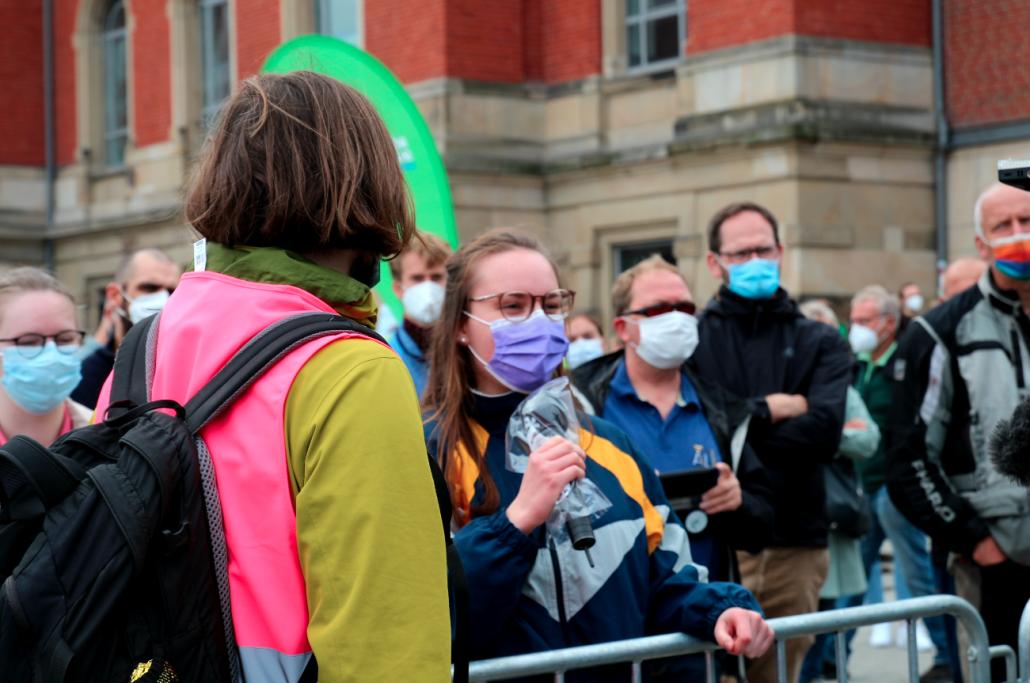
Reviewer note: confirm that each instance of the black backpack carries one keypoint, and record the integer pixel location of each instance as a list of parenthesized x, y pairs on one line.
[(112, 554)]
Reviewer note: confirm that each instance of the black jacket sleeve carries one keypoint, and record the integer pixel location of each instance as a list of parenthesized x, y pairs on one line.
[(750, 526), (816, 434), (922, 399)]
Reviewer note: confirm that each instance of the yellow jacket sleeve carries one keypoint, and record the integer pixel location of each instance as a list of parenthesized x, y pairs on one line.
[(368, 527)]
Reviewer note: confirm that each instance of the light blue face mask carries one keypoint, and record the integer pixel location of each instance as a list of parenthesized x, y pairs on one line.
[(754, 279), (40, 384)]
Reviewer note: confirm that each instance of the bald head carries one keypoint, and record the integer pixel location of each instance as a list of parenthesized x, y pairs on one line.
[(960, 275)]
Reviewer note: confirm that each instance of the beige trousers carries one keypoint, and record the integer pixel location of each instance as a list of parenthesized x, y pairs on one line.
[(786, 581)]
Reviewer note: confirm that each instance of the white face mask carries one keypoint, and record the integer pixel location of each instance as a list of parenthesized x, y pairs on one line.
[(423, 302), (862, 339), (146, 305), (583, 351), (914, 303), (667, 340)]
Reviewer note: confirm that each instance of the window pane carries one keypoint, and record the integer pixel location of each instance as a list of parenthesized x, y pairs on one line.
[(661, 4), (663, 39), (214, 18), (628, 255), (339, 19), (633, 51), (116, 110), (632, 7)]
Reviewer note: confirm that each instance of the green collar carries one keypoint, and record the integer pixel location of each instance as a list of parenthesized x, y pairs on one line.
[(273, 266), (867, 357)]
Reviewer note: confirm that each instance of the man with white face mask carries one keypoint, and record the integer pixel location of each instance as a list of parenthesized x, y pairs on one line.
[(141, 287), (651, 390), (419, 277)]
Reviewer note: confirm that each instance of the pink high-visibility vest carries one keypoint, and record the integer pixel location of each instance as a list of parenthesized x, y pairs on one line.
[(208, 319)]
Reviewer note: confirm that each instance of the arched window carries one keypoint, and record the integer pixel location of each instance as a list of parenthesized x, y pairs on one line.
[(214, 37), (116, 108)]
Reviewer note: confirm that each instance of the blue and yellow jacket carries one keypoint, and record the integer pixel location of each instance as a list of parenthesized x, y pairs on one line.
[(528, 594)]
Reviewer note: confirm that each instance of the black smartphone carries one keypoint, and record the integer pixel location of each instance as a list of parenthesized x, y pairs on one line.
[(1015, 172), (689, 483)]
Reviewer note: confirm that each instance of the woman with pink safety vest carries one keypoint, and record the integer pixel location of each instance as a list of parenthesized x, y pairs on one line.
[(337, 567)]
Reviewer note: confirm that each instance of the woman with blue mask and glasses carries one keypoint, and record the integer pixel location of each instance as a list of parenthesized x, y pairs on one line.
[(500, 336), (39, 359)]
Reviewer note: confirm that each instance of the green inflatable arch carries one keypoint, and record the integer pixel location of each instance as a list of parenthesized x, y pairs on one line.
[(416, 151)]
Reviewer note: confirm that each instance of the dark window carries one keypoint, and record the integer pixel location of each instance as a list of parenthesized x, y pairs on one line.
[(625, 256), (116, 108), (655, 30), (214, 35)]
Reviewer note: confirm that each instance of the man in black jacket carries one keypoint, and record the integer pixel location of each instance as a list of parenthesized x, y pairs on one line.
[(678, 421), (794, 372)]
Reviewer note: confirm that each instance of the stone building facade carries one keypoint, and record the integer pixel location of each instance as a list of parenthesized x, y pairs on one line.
[(611, 128)]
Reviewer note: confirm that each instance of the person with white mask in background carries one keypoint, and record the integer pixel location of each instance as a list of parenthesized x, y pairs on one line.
[(875, 320), (911, 299), (651, 390), (141, 287), (419, 278), (586, 339)]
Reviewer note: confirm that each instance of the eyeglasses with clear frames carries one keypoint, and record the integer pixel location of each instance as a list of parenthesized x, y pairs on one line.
[(517, 306), (766, 253), (31, 345)]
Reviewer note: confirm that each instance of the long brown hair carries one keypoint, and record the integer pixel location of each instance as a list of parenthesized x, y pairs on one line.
[(300, 161), (448, 397)]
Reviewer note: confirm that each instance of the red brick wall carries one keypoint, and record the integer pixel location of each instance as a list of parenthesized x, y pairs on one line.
[(714, 24), (508, 42), (21, 72), (408, 36), (570, 39), (66, 13), (257, 33), (986, 81), (151, 69)]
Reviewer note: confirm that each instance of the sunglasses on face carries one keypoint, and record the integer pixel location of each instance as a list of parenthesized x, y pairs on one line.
[(651, 311)]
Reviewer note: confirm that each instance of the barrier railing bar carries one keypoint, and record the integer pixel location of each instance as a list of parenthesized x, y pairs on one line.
[(635, 675), (781, 661), (1024, 645), (913, 653), (842, 657), (674, 644), (1005, 651), (709, 666)]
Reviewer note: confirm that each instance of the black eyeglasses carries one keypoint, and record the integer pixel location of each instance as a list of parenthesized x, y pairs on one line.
[(32, 344), (651, 311), (743, 255), (516, 307)]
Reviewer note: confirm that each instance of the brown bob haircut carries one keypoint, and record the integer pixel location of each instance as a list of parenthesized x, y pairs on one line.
[(300, 161)]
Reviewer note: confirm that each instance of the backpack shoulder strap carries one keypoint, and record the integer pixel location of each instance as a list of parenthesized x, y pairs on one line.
[(130, 383), (260, 354), (51, 475)]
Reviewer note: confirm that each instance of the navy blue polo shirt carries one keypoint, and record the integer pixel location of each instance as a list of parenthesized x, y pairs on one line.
[(682, 441)]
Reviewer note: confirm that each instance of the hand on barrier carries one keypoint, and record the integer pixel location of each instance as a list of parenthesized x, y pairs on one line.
[(725, 496), (743, 632), (987, 552), (785, 406), (556, 463)]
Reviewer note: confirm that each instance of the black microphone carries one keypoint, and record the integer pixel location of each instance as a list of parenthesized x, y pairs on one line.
[(1010, 445)]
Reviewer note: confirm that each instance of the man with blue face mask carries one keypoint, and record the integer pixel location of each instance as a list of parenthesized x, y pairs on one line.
[(794, 372), (144, 281)]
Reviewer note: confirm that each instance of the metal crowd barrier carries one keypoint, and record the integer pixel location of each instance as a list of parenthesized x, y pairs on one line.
[(638, 650), (1024, 645)]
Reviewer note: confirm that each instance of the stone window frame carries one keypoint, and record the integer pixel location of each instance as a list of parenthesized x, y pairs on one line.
[(91, 87), (614, 43)]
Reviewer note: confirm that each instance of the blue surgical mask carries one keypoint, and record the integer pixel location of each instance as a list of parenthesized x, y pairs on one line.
[(754, 279), (40, 384), (583, 351)]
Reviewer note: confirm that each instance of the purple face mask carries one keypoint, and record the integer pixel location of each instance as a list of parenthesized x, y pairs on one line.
[(526, 353)]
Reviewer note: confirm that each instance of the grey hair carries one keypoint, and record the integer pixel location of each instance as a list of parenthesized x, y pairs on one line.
[(818, 310), (978, 209), (886, 302)]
